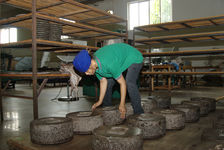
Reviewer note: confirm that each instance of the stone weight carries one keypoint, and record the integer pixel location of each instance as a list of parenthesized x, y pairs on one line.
[(220, 129), (51, 130), (192, 113), (218, 125), (152, 126), (211, 101), (219, 146), (218, 122), (117, 138), (163, 101), (129, 109), (175, 119), (148, 105), (211, 134), (111, 115), (208, 145), (204, 106), (85, 122)]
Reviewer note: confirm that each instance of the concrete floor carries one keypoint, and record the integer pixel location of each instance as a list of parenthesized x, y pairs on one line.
[(18, 112)]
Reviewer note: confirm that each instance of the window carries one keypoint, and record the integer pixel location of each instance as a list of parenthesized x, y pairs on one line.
[(8, 35), (138, 14), (149, 12), (160, 11)]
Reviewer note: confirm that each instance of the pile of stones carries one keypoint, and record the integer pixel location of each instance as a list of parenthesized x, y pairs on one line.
[(111, 132)]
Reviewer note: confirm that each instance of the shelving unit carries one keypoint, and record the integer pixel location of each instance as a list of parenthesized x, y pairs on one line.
[(185, 53), (206, 31), (82, 31), (157, 41), (183, 24), (181, 32), (86, 26), (68, 9), (28, 75)]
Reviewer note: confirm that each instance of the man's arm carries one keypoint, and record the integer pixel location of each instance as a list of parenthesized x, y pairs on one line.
[(122, 83), (103, 88)]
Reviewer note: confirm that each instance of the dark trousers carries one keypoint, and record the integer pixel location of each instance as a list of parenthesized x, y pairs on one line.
[(132, 88)]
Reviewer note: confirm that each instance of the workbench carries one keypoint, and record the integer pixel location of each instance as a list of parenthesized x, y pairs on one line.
[(163, 68)]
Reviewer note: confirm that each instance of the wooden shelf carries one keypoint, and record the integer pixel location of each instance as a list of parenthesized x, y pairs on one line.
[(184, 24), (81, 23), (183, 73), (39, 75), (206, 67), (165, 87), (205, 31), (68, 9), (186, 53), (78, 30), (67, 51), (208, 36), (45, 45), (162, 67)]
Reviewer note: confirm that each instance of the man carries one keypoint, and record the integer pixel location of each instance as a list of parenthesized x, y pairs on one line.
[(108, 64)]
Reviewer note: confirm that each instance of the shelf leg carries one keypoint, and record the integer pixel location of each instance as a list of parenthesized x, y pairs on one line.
[(1, 105), (34, 59), (169, 79), (152, 82)]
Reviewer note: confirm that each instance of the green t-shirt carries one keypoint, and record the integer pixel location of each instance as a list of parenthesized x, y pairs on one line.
[(114, 59)]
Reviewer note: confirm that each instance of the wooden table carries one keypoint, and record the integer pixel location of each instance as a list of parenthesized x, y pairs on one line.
[(168, 68)]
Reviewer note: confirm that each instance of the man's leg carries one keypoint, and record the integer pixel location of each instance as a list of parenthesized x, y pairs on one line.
[(131, 81), (108, 95)]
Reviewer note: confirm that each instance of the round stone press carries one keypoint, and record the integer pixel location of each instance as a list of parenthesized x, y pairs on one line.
[(152, 126), (117, 138), (85, 122)]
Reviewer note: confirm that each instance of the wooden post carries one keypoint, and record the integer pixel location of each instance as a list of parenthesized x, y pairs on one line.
[(134, 37), (152, 79), (195, 77), (169, 78), (126, 22), (1, 105), (34, 59)]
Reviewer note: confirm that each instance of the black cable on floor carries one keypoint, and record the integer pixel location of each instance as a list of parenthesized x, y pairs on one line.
[(57, 95)]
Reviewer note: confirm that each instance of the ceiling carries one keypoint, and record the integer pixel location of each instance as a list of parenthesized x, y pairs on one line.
[(8, 11)]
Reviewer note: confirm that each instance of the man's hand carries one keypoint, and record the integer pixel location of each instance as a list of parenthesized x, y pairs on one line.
[(103, 88), (122, 110), (98, 103)]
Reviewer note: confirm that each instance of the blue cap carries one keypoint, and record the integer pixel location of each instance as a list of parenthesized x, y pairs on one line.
[(82, 61)]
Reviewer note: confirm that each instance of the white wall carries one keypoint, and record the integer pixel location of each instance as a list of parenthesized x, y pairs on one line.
[(182, 9), (118, 6), (189, 9)]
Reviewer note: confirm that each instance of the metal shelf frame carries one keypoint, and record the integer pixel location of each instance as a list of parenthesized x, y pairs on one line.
[(202, 31), (88, 20)]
